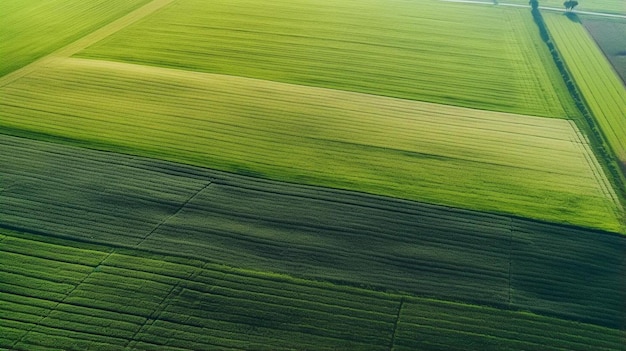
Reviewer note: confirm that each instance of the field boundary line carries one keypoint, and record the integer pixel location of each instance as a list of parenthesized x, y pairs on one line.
[(180, 208), (35, 325), (598, 172), (395, 324), (601, 179), (510, 260), (154, 316), (86, 41)]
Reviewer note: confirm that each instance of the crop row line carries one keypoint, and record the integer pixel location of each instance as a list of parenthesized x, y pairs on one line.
[(395, 325), (161, 307), (180, 208)]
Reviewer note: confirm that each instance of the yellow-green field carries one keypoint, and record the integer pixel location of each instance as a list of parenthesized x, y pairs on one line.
[(30, 29), (486, 58), (529, 166), (599, 85)]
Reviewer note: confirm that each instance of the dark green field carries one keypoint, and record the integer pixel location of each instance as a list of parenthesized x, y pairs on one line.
[(355, 243), (59, 294)]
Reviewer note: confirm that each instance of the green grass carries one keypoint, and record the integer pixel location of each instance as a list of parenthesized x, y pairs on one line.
[(30, 29), (528, 166), (601, 88), (134, 299), (317, 234), (610, 35), (486, 58)]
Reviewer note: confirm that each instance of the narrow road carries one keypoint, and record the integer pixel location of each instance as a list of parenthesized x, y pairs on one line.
[(86, 41), (540, 7)]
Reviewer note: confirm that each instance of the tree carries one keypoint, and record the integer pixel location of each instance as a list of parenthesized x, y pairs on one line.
[(534, 4), (570, 4)]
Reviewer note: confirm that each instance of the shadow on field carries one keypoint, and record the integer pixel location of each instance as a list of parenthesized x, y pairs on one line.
[(572, 17)]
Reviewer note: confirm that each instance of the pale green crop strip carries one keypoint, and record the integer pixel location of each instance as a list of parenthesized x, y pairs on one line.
[(601, 88), (461, 157), (420, 50)]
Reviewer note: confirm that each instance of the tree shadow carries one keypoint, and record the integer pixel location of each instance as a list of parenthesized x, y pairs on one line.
[(572, 16)]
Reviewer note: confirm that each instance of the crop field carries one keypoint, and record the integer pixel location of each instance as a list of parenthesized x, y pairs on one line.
[(110, 300), (319, 234), (603, 91), (610, 35), (57, 294), (484, 58), (30, 29), (306, 174), (450, 326), (535, 167)]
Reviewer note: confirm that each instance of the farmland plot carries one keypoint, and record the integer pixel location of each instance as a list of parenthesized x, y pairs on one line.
[(486, 58), (577, 274), (320, 234), (123, 204), (433, 325), (603, 91), (133, 299), (535, 167), (118, 300), (30, 29), (610, 35)]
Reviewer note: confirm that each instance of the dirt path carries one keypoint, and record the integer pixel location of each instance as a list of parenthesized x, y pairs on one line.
[(540, 7), (86, 41)]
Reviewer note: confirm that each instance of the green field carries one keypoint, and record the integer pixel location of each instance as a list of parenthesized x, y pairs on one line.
[(435, 153), (601, 88), (110, 300), (30, 29), (308, 175), (486, 58), (610, 35), (63, 295), (314, 233)]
